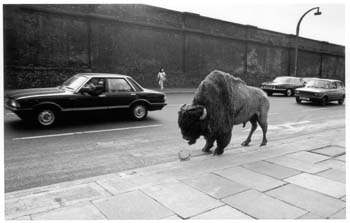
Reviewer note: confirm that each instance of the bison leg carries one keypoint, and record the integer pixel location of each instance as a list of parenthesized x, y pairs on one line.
[(253, 121), (263, 124), (208, 145), (222, 142)]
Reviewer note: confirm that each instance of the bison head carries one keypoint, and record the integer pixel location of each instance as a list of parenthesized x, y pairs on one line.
[(190, 122)]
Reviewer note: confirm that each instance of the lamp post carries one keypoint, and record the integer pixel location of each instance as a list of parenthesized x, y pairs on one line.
[(297, 35)]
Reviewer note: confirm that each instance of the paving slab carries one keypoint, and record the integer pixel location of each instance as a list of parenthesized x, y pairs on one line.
[(319, 184), (25, 218), (35, 203), (339, 215), (261, 206), (310, 216), (224, 212), (309, 200), (85, 211), (134, 205), (341, 158), (273, 170), (334, 164), (117, 186), (308, 157), (182, 199), (330, 151), (172, 217), (334, 174), (297, 164), (214, 185), (250, 178)]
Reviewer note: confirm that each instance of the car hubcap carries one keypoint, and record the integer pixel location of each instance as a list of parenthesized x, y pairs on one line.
[(289, 92), (139, 111), (46, 117)]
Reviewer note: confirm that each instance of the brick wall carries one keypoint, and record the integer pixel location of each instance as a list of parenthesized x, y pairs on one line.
[(45, 44)]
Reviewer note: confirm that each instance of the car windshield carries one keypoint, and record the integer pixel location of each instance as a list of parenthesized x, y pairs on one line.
[(284, 80), (318, 84), (74, 82)]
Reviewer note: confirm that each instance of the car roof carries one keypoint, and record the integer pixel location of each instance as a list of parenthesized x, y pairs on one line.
[(101, 75)]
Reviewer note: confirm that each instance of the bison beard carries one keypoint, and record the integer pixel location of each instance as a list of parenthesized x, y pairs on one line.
[(220, 102)]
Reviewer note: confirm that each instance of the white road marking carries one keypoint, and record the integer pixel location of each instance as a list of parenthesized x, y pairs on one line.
[(85, 132)]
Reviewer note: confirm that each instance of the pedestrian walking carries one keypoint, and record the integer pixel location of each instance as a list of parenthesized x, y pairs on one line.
[(161, 77)]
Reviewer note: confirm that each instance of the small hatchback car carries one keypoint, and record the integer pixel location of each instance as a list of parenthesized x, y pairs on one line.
[(283, 84), (84, 92), (321, 91)]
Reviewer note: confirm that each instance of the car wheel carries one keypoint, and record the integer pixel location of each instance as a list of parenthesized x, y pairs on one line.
[(341, 101), (139, 112), (46, 117), (324, 101), (289, 92), (298, 100)]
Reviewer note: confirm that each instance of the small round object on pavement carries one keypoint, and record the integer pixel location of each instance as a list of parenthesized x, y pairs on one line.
[(184, 155)]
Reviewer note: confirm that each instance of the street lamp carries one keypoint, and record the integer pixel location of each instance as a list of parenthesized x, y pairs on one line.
[(297, 35)]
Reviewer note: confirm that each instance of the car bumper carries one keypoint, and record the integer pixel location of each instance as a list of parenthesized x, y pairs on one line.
[(269, 90), (157, 106), (308, 97)]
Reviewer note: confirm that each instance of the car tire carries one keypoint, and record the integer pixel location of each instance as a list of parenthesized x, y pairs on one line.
[(139, 112), (298, 100), (289, 92), (341, 101), (46, 117), (324, 101)]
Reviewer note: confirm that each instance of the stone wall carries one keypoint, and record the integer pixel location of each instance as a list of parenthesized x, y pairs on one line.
[(45, 44)]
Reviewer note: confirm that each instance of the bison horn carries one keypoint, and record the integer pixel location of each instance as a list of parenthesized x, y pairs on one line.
[(204, 115)]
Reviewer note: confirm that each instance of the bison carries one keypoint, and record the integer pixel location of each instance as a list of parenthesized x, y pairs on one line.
[(220, 102)]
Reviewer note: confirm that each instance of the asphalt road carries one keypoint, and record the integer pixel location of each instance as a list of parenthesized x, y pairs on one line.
[(87, 147)]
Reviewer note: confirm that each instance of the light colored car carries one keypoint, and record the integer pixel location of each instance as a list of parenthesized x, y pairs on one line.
[(321, 91)]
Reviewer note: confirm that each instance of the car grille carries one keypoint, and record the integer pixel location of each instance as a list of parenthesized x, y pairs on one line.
[(306, 93)]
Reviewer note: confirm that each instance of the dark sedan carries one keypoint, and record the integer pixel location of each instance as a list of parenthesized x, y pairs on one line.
[(84, 92), (321, 91), (283, 84)]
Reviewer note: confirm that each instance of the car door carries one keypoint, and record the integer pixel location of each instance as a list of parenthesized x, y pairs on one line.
[(90, 101), (119, 93), (340, 90), (332, 91)]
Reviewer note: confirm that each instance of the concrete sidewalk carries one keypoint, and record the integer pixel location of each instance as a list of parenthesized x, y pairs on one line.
[(298, 178)]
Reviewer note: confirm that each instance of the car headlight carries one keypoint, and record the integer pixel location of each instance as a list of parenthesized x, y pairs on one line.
[(14, 104)]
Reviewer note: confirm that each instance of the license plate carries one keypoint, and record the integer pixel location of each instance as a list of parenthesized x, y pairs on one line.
[(303, 98)]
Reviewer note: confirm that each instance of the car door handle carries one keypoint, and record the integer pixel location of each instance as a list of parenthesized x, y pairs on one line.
[(132, 94), (102, 95)]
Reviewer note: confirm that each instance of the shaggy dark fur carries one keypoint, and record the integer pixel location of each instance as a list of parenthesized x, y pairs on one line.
[(228, 101)]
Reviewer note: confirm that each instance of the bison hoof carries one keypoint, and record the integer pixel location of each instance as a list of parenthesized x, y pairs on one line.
[(245, 143), (218, 152), (263, 144), (205, 150)]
